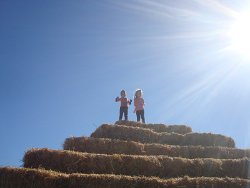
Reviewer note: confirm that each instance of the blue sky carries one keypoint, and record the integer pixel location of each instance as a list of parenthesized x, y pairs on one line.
[(62, 63)]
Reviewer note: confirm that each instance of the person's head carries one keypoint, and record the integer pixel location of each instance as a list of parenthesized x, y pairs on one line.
[(123, 93), (138, 93)]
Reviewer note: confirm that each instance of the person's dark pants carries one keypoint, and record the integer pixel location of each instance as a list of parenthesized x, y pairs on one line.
[(123, 110), (140, 115)]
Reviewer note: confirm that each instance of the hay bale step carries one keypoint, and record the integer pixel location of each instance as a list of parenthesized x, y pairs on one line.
[(181, 129), (30, 178), (114, 146), (159, 166), (148, 136)]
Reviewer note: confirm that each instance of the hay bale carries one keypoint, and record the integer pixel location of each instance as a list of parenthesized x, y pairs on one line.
[(181, 129), (126, 133), (208, 139), (114, 146), (133, 165), (31, 178), (103, 146), (148, 136), (34, 178)]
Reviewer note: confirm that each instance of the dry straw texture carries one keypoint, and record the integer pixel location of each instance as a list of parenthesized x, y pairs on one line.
[(33, 178), (114, 146), (103, 146), (148, 136), (161, 166), (135, 155), (181, 129)]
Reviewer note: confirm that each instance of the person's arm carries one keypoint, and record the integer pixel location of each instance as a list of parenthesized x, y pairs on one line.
[(135, 104), (129, 101), (117, 99)]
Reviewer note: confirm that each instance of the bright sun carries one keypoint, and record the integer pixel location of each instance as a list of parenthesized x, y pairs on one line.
[(239, 34)]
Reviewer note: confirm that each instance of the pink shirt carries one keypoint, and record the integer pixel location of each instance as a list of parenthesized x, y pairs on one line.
[(139, 104)]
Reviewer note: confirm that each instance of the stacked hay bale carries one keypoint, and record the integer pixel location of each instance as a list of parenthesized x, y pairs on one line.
[(130, 154)]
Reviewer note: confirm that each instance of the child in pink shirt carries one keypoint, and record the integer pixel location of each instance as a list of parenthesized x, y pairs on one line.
[(125, 102), (139, 105)]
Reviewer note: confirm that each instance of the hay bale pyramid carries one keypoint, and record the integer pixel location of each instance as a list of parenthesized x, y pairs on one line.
[(130, 154)]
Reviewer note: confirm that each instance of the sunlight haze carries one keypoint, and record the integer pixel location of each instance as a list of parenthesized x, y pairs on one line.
[(63, 63)]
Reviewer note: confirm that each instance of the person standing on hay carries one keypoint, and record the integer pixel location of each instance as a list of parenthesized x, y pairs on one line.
[(125, 102), (139, 105)]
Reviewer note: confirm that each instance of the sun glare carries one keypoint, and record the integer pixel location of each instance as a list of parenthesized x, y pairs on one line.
[(239, 35)]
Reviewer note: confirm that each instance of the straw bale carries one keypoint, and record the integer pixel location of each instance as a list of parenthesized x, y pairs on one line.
[(126, 133), (11, 177), (134, 165), (148, 136), (181, 129), (103, 146), (114, 146), (34, 178), (208, 139)]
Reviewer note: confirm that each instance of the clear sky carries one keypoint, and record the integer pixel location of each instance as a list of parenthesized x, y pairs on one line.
[(62, 63)]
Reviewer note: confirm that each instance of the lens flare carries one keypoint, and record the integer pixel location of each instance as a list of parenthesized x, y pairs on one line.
[(239, 34)]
